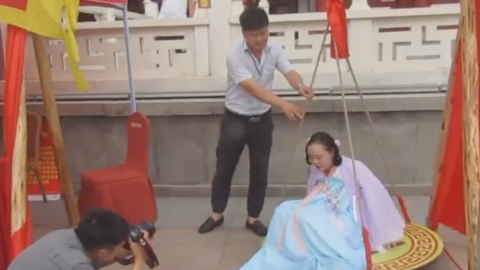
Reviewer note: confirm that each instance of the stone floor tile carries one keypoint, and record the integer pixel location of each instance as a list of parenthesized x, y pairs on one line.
[(179, 246), (50, 213), (189, 256), (173, 236), (235, 255), (243, 236)]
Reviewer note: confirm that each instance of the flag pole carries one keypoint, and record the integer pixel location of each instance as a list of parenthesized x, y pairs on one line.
[(470, 125), (126, 30), (46, 85)]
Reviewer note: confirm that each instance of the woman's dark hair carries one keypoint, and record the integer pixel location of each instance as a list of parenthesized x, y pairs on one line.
[(328, 142), (100, 228), (253, 18)]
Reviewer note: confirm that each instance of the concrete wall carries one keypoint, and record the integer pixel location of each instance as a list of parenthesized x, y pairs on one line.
[(184, 136), (182, 157)]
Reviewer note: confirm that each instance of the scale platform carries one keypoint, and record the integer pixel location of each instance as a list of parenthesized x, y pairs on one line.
[(420, 246)]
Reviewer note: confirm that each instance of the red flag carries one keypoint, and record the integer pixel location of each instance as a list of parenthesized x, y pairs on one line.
[(447, 207), (338, 33), (16, 226)]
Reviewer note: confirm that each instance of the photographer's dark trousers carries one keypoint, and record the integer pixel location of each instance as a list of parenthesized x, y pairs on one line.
[(236, 131)]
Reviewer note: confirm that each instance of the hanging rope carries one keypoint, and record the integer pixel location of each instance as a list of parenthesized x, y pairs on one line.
[(394, 188), (366, 241), (401, 202), (307, 102)]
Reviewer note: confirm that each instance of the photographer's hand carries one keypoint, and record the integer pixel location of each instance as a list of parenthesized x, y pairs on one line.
[(139, 253)]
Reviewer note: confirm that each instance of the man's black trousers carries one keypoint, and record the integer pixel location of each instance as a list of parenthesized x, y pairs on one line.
[(236, 131)]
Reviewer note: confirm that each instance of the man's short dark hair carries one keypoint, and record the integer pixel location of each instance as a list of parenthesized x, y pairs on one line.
[(253, 18), (100, 228)]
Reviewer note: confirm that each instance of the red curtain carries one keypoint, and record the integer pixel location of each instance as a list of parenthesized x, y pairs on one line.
[(12, 242)]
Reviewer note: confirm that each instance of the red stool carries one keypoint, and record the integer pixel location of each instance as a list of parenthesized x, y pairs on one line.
[(126, 188)]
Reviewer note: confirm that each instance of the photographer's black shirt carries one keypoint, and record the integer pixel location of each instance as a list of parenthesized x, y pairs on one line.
[(58, 250)]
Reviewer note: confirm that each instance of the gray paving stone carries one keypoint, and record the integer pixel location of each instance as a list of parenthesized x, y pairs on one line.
[(180, 247)]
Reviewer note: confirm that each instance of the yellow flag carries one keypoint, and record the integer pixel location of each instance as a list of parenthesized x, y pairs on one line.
[(43, 17)]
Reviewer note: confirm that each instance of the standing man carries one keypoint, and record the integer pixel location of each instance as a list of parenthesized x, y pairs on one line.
[(247, 119)]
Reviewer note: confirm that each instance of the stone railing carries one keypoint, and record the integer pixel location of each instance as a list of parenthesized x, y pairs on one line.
[(159, 49), (392, 51)]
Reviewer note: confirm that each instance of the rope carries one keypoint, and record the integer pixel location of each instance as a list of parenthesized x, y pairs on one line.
[(307, 102), (401, 202), (368, 250)]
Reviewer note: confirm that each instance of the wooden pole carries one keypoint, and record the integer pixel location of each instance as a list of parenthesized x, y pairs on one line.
[(470, 125), (44, 72), (447, 111)]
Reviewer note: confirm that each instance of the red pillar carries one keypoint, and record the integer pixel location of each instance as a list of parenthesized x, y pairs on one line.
[(422, 3), (2, 57), (321, 5), (404, 3)]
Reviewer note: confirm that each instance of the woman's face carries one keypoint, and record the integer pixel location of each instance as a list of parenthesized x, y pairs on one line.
[(319, 156)]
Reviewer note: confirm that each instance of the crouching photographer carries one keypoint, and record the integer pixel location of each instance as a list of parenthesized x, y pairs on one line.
[(101, 239)]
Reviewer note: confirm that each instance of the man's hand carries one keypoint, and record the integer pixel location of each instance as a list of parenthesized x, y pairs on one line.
[(305, 91), (292, 111)]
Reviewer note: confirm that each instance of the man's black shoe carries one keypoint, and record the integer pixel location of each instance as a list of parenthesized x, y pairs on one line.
[(209, 225), (257, 228)]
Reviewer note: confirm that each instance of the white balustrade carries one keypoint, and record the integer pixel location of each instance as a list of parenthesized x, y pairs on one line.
[(159, 49), (390, 49), (359, 5)]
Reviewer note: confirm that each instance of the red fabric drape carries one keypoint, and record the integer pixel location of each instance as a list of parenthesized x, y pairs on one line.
[(12, 242), (338, 25), (448, 205)]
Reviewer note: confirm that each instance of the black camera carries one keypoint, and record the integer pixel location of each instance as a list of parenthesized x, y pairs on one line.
[(137, 236)]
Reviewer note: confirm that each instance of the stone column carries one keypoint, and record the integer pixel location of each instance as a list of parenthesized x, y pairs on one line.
[(151, 8), (219, 41), (108, 15), (265, 5)]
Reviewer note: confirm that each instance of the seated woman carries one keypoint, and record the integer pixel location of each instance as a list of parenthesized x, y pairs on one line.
[(323, 231)]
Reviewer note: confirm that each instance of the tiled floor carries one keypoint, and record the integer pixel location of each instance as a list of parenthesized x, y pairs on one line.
[(180, 247)]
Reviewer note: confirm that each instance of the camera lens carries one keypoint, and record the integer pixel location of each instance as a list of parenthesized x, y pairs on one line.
[(148, 227)]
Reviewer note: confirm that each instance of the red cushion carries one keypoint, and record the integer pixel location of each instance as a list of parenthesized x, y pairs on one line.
[(132, 198), (112, 174)]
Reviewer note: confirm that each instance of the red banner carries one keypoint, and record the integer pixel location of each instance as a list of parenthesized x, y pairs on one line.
[(16, 230), (16, 4), (338, 34), (48, 170)]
